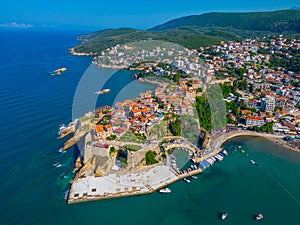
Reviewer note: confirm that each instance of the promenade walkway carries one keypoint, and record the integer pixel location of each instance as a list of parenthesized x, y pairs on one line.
[(91, 188)]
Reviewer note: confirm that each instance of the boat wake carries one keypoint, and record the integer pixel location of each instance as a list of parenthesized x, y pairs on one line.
[(57, 165), (61, 151)]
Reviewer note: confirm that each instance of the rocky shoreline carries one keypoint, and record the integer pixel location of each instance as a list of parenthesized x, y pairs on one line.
[(290, 145), (73, 52), (144, 80)]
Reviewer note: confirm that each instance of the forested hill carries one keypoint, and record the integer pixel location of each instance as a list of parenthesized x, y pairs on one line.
[(277, 21), (198, 31)]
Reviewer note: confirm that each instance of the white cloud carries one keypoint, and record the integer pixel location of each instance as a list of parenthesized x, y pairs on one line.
[(16, 25)]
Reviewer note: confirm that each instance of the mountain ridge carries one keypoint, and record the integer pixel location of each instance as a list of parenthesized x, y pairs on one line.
[(278, 21), (196, 31)]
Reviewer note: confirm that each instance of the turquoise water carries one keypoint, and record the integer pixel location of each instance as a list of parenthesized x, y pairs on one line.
[(32, 190), (181, 157)]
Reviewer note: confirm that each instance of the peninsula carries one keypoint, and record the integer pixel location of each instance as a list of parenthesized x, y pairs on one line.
[(204, 97)]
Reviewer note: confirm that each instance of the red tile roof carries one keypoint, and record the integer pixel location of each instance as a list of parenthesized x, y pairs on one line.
[(101, 145), (135, 110), (255, 118), (99, 128)]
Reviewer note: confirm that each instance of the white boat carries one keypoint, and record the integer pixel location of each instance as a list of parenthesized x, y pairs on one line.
[(194, 167), (194, 177), (225, 152), (259, 216), (61, 127), (57, 165), (224, 215), (210, 161), (253, 162), (186, 180), (165, 190), (102, 91), (218, 157)]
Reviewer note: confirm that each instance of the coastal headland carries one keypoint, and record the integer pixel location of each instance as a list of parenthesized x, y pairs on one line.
[(127, 149), (143, 179)]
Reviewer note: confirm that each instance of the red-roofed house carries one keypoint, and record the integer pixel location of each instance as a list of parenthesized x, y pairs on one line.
[(120, 130), (135, 112), (254, 121)]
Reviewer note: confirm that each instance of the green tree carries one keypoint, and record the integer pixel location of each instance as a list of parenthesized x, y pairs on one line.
[(267, 127), (150, 157), (176, 78), (199, 90), (175, 127), (235, 85), (243, 84), (251, 88), (124, 162), (242, 104), (112, 149), (189, 83), (204, 112), (277, 108), (238, 112)]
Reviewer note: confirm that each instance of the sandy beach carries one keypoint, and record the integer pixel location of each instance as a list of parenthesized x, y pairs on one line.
[(276, 138)]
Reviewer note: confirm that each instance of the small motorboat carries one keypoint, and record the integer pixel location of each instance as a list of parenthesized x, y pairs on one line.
[(224, 215), (253, 162), (102, 91), (194, 177), (61, 151), (194, 167), (57, 165), (61, 127), (225, 152), (186, 180), (165, 190), (259, 216)]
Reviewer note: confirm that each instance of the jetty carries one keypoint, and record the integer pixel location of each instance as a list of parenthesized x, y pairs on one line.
[(66, 132)]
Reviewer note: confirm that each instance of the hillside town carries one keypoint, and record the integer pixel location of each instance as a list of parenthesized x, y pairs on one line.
[(132, 54), (260, 94), (266, 72), (265, 94)]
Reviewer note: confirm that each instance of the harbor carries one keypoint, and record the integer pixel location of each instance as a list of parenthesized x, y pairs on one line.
[(146, 181), (89, 186)]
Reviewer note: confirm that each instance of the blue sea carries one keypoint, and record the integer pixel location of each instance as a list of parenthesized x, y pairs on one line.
[(32, 190)]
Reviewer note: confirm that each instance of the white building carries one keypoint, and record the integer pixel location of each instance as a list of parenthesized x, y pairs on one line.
[(268, 104)]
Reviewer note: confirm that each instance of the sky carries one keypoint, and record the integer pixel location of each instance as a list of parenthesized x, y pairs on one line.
[(142, 14)]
